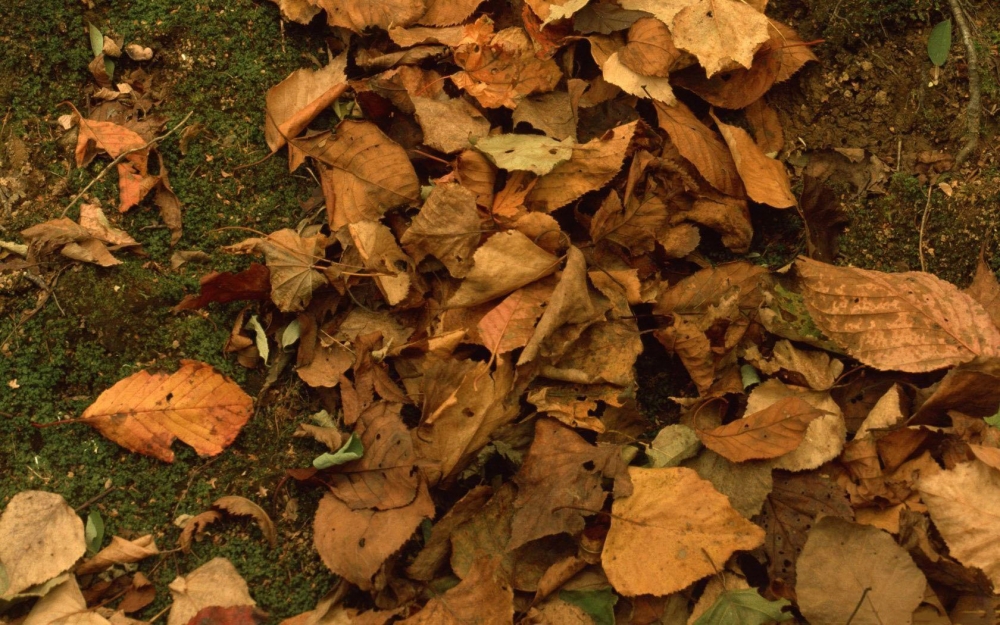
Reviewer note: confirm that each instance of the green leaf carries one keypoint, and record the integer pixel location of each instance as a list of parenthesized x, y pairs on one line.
[(749, 375), (96, 40), (292, 333), (260, 338), (351, 450), (743, 607), (109, 67), (599, 604), (994, 420), (939, 43), (94, 533), (673, 445), (534, 153)]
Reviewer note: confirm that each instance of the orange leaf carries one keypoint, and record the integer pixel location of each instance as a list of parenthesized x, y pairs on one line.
[(146, 412), (770, 433)]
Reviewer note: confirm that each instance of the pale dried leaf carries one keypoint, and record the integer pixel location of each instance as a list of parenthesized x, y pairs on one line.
[(120, 551), (40, 537), (357, 15), (506, 262), (654, 87), (215, 583), (450, 125)]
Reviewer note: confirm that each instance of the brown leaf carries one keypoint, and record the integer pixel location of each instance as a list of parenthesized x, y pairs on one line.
[(94, 221), (972, 388), (506, 262), (770, 433), (328, 364), (357, 15), (650, 49), (511, 324), (168, 203), (253, 283), (718, 32), (380, 253), (633, 228), (231, 615), (765, 178), (450, 125), (355, 543), (986, 290), (911, 321), (291, 260), (592, 165), (146, 412), (120, 551), (364, 173), (241, 506), (385, 476), (795, 502), (215, 583), (746, 484), (500, 69), (766, 126), (824, 218), (437, 547), (195, 527), (702, 147), (141, 593), (40, 537), (446, 228), (559, 484), (476, 173), (447, 12), (671, 532), (301, 11), (463, 405), (294, 102), (484, 597), (876, 581), (63, 604), (554, 113), (90, 251), (964, 504), (620, 75)]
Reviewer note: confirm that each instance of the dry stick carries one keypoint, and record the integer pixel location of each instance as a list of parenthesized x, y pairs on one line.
[(121, 157), (923, 226), (973, 111)]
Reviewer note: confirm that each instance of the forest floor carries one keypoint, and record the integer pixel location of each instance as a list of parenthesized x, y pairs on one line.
[(871, 91)]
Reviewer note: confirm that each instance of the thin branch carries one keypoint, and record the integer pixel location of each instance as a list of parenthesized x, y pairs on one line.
[(923, 227), (973, 111), (122, 157)]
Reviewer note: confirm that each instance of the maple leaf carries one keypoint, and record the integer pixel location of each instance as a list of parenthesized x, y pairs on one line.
[(146, 412), (447, 228), (291, 260)]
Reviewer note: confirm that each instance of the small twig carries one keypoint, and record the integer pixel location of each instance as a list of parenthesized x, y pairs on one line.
[(973, 111), (121, 157), (923, 227), (857, 607), (94, 499)]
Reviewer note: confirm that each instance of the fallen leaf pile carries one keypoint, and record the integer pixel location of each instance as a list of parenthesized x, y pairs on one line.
[(511, 201)]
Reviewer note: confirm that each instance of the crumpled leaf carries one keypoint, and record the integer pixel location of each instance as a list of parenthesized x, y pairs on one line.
[(120, 551), (380, 253), (241, 506), (40, 537), (657, 534), (483, 597), (292, 260), (923, 322), (253, 283), (447, 228), (146, 412), (506, 262), (294, 102)]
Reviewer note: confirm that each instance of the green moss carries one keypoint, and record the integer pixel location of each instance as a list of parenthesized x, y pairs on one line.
[(851, 22)]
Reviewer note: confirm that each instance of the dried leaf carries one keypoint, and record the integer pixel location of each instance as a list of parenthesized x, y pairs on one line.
[(447, 12), (215, 583), (357, 15), (964, 503), (511, 324), (876, 581), (765, 178), (40, 537), (63, 605), (634, 83), (291, 260), (364, 172), (484, 597), (195, 527), (984, 289), (701, 147), (535, 153), (253, 283), (660, 541), (717, 32), (355, 543), (146, 412), (294, 102), (592, 165), (506, 262), (241, 506), (559, 483), (446, 228), (650, 49), (120, 551), (380, 253), (923, 323), (770, 433), (450, 125)]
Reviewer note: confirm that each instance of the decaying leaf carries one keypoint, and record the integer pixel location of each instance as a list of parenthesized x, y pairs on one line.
[(911, 321), (146, 412)]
